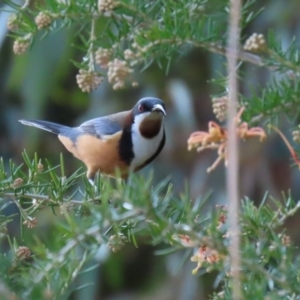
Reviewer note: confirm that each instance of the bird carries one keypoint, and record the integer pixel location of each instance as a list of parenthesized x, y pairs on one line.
[(119, 143)]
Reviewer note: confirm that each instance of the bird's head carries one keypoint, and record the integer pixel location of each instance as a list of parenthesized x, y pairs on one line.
[(148, 114), (148, 106)]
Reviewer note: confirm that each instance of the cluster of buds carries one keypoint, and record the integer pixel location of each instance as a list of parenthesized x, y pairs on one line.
[(118, 71), (255, 43), (88, 80), (296, 135), (129, 54), (43, 20), (116, 242), (102, 57), (23, 252), (107, 5), (20, 46), (30, 223), (139, 51), (66, 208), (18, 182), (184, 240), (40, 167), (220, 105), (286, 240), (205, 255), (216, 138), (132, 59), (13, 22)]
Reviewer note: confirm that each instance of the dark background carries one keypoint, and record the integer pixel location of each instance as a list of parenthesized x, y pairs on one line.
[(41, 84)]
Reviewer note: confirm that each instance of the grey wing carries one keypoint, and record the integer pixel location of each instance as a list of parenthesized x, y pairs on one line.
[(104, 126)]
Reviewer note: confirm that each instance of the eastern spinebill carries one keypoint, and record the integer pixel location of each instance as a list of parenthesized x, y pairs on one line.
[(125, 141)]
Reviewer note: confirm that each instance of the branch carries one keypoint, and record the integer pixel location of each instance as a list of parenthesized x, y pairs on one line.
[(283, 283), (273, 111), (233, 154), (248, 57), (61, 255), (290, 213), (91, 47), (16, 196), (241, 55), (94, 231), (26, 4)]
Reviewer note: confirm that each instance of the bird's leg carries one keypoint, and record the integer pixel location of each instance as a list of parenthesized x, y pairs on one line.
[(92, 180), (119, 180)]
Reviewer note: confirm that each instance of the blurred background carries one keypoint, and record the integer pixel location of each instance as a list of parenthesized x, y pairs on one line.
[(41, 84)]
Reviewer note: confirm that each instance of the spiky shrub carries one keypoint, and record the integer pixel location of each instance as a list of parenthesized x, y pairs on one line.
[(117, 38)]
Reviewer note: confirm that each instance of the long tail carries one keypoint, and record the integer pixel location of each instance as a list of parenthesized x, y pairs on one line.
[(45, 125)]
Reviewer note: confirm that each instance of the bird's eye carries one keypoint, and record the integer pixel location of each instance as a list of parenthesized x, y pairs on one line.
[(141, 108)]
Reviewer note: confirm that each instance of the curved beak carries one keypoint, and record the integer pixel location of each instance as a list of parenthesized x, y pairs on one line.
[(159, 108)]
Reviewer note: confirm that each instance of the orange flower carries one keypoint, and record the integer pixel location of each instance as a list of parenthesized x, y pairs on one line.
[(205, 254), (216, 138), (30, 222)]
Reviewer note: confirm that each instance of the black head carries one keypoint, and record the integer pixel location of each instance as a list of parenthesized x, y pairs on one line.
[(149, 104)]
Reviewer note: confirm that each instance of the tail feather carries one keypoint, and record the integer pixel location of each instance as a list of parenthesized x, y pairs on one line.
[(45, 125)]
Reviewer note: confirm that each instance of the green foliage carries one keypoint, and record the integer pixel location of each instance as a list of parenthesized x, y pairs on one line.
[(140, 33), (270, 267), (110, 215), (119, 213), (155, 30)]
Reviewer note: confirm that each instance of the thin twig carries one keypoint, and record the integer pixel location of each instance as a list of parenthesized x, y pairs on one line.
[(246, 57), (137, 11), (91, 48), (15, 196), (218, 49), (94, 231), (273, 111), (61, 255), (22, 212), (295, 70), (26, 4), (288, 144), (290, 213), (282, 282), (233, 154), (241, 55)]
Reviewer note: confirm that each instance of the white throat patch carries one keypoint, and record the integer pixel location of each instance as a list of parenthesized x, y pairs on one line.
[(143, 148)]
